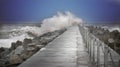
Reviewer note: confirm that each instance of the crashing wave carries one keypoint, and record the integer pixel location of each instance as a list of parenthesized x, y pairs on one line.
[(56, 22)]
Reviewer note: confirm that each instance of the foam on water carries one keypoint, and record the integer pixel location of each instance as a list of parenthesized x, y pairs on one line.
[(112, 28), (115, 28), (56, 22), (18, 34)]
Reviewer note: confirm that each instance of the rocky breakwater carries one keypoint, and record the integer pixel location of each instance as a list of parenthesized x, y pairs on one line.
[(110, 38), (20, 51)]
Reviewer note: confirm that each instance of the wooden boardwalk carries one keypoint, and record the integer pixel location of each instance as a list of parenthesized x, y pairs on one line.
[(67, 50)]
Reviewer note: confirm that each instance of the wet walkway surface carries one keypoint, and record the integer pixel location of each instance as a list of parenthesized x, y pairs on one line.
[(67, 50)]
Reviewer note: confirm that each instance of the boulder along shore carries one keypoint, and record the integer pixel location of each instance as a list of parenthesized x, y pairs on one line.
[(21, 51)]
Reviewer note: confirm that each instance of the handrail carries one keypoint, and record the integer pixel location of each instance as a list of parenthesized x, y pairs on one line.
[(101, 55)]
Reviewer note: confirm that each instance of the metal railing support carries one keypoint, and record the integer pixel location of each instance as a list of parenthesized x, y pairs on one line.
[(105, 56), (97, 49), (119, 63), (90, 48), (98, 54), (94, 51)]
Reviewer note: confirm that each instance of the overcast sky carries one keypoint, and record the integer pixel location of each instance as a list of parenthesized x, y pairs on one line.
[(91, 11)]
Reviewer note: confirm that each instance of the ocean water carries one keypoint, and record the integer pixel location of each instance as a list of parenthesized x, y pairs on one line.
[(12, 32), (109, 27), (112, 27)]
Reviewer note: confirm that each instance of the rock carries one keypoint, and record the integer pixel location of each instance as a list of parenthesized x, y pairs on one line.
[(30, 49), (106, 35), (27, 46), (43, 41), (3, 52), (27, 41), (32, 45), (2, 49), (39, 46), (18, 43), (26, 55), (29, 52), (19, 50), (2, 63), (114, 34), (15, 56), (106, 31), (31, 34), (15, 45), (15, 59)]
